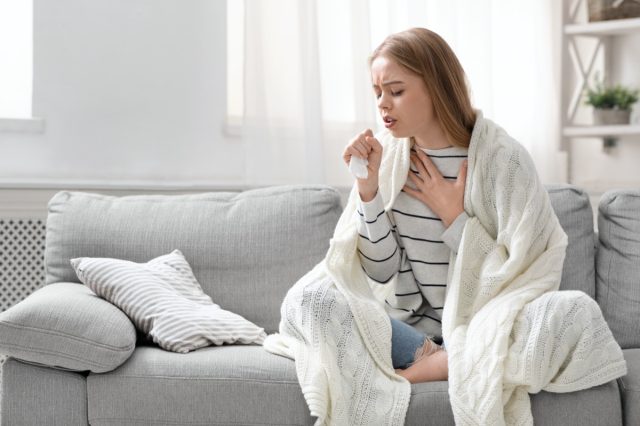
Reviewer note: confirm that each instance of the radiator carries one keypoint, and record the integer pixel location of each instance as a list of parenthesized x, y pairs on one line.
[(21, 261)]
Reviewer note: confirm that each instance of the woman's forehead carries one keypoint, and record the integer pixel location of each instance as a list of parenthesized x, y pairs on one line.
[(386, 71)]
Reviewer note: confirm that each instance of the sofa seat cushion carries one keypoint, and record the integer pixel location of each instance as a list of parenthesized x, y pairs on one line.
[(231, 384), (630, 387), (247, 385), (599, 405)]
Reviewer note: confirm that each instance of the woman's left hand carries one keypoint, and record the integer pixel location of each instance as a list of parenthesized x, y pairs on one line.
[(444, 198)]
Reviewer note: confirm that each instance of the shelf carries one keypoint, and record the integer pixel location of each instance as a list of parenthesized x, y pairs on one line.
[(602, 131), (604, 28)]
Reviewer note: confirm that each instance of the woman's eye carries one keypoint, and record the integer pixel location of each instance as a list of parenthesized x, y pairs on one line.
[(394, 94)]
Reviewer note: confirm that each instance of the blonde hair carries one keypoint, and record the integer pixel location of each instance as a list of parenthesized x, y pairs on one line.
[(427, 55)]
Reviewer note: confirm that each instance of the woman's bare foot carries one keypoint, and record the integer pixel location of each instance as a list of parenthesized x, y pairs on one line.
[(431, 365)]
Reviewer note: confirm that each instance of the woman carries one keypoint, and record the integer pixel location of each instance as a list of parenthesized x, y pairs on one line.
[(454, 225), (422, 95)]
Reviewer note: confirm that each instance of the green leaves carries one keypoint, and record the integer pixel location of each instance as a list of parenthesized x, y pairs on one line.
[(618, 96)]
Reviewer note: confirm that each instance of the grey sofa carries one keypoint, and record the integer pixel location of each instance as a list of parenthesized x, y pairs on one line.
[(75, 359)]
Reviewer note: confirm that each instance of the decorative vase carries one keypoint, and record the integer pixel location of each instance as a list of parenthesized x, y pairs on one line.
[(611, 116)]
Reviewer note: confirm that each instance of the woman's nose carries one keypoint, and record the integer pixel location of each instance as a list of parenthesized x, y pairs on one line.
[(383, 102)]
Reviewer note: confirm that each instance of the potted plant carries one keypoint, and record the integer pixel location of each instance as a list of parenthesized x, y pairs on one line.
[(612, 104)]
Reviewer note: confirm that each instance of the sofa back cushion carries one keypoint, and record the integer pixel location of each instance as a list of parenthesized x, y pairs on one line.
[(572, 206), (618, 264), (245, 248)]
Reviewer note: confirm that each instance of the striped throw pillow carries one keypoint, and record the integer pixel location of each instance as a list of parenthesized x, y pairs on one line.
[(165, 301)]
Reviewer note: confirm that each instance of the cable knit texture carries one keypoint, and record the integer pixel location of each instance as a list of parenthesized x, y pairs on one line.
[(508, 329)]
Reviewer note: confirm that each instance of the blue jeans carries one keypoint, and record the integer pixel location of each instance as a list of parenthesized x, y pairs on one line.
[(405, 340)]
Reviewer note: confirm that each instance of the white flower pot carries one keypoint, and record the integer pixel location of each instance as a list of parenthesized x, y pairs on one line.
[(611, 116)]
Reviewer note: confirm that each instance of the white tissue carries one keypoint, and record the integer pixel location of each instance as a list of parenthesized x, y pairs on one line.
[(358, 167)]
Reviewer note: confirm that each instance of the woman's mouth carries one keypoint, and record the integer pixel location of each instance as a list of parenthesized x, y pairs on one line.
[(389, 122)]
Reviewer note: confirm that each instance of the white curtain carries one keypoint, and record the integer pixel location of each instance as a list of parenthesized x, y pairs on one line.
[(307, 87)]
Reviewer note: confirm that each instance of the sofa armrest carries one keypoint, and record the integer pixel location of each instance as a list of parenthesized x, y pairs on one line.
[(66, 326)]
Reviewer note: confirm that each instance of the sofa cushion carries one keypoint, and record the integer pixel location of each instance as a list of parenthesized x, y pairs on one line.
[(618, 264), (65, 325), (164, 300), (572, 206), (630, 387), (247, 385), (241, 385), (289, 228), (429, 404), (599, 405)]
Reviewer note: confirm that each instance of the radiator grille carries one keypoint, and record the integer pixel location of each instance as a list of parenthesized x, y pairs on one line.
[(21, 261)]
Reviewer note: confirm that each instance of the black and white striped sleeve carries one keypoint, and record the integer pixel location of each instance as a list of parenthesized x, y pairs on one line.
[(378, 249)]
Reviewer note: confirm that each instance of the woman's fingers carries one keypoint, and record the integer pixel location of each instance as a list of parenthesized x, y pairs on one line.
[(428, 164), (373, 144), (346, 155), (420, 166), (415, 179), (412, 192), (350, 151), (365, 146), (361, 146)]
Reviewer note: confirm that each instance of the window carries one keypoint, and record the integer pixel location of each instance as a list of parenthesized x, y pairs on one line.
[(343, 75), (16, 58), (235, 61)]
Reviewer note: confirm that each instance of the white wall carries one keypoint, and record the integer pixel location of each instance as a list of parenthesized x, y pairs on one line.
[(129, 91)]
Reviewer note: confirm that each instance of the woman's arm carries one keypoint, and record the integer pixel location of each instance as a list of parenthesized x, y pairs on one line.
[(378, 249)]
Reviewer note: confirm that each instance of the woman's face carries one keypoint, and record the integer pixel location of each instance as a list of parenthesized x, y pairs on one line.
[(403, 101)]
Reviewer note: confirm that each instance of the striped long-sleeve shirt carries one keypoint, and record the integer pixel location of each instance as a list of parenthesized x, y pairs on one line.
[(411, 241)]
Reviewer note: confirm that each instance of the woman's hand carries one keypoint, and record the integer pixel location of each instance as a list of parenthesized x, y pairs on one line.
[(444, 198), (367, 147)]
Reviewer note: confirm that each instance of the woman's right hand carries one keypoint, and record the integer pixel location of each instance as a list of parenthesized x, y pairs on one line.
[(367, 147)]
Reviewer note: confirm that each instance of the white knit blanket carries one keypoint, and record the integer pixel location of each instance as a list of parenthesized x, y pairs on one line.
[(508, 331)]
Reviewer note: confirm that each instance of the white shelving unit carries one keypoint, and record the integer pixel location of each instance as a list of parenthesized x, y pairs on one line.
[(602, 35), (604, 28), (601, 131)]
